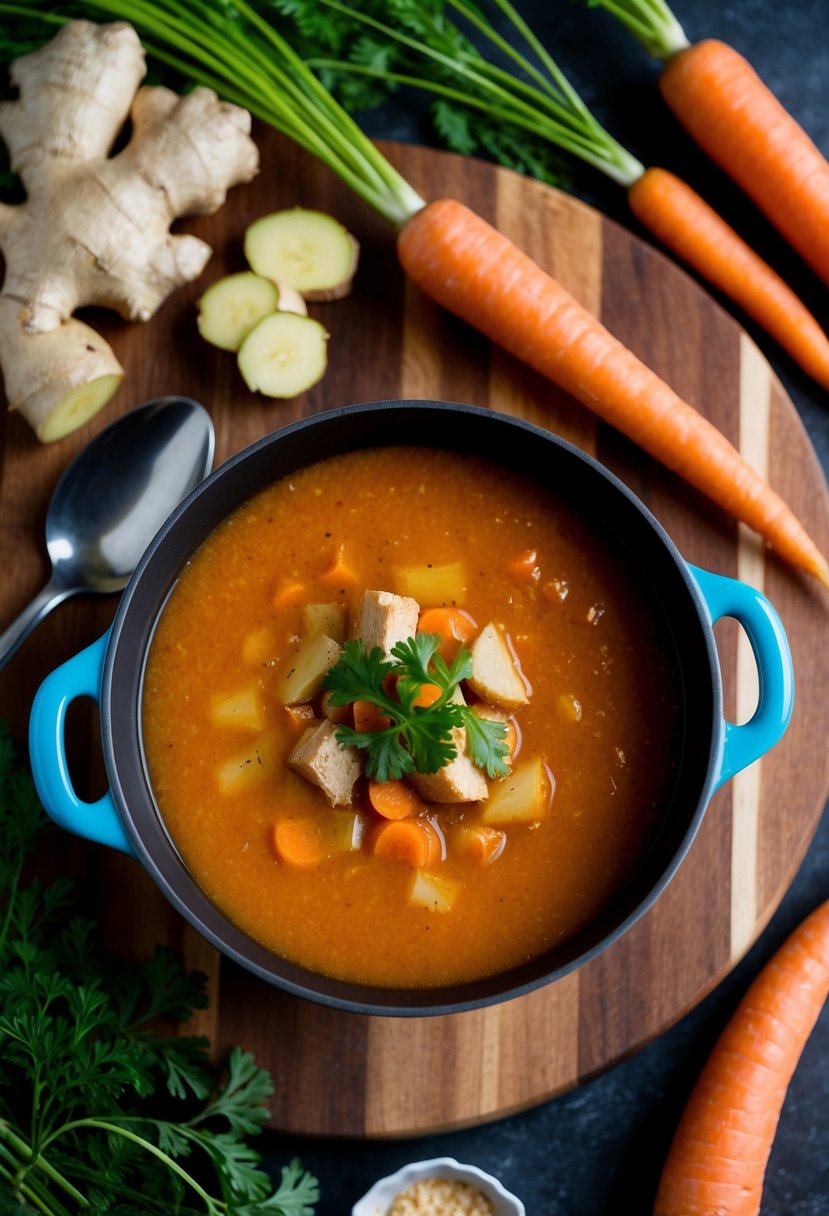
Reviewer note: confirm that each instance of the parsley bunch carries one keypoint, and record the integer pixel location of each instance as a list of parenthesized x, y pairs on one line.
[(98, 1111), (419, 738)]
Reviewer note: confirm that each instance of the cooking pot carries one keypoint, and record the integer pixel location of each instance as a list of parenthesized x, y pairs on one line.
[(111, 671)]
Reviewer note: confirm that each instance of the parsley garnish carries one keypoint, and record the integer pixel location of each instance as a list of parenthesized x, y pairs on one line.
[(99, 1112), (419, 739)]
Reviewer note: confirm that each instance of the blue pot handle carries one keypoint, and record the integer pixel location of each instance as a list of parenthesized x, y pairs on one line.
[(728, 597), (79, 677)]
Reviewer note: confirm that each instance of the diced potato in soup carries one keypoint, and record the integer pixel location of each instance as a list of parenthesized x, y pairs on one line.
[(270, 800)]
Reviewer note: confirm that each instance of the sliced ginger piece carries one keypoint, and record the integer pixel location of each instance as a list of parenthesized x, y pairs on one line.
[(77, 407), (495, 675), (304, 678), (284, 355), (95, 229), (307, 250), (523, 797), (291, 301), (231, 307)]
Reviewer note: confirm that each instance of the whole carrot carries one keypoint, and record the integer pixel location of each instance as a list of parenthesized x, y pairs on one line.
[(685, 223), (722, 102), (718, 1157), (477, 273)]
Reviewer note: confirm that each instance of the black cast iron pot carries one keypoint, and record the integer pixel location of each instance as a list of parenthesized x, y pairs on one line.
[(112, 670)]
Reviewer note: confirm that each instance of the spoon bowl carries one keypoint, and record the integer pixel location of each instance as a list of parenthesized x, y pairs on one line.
[(113, 498)]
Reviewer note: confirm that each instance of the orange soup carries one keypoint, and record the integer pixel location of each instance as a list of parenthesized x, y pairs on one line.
[(592, 734)]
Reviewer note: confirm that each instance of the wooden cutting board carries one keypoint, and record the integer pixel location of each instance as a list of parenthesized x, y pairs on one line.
[(351, 1075)]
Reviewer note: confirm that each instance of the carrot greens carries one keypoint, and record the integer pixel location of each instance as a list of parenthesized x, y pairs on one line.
[(513, 84), (419, 738), (375, 48), (651, 21), (99, 1112)]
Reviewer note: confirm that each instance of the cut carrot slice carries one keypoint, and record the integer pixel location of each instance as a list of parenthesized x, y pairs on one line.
[(480, 843), (299, 717), (394, 799), (299, 842), (429, 693), (525, 568), (368, 717), (287, 593), (339, 573), (454, 626), (412, 841)]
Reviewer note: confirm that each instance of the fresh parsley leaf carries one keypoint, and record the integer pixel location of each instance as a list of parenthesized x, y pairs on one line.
[(97, 1107), (419, 739), (241, 1101), (295, 1196), (358, 675), (485, 740)]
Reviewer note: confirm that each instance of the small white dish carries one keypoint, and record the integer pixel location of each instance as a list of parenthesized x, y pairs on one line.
[(379, 1199)]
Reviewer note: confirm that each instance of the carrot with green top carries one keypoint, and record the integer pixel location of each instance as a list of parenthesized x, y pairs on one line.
[(718, 1157), (541, 104), (459, 259), (735, 118)]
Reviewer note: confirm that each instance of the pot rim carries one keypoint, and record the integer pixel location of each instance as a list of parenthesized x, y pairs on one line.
[(314, 986)]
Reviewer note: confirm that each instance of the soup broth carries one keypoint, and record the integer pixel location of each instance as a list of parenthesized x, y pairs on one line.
[(602, 718)]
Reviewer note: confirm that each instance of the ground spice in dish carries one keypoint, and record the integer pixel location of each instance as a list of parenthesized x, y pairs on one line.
[(441, 1197)]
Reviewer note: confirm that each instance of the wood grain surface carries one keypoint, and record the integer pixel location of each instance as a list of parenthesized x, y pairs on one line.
[(365, 1076)]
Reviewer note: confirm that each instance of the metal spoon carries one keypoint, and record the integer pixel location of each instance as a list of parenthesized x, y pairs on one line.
[(113, 498)]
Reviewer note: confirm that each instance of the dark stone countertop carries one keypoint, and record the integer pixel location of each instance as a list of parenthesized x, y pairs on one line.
[(598, 1150)]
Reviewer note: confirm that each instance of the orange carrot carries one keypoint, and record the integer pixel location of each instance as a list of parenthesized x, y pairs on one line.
[(717, 1161), (288, 592), (339, 572), (413, 841), (477, 273), (524, 567), (481, 843), (299, 842), (368, 717), (719, 98), (453, 625), (299, 717), (428, 694), (394, 799), (677, 215)]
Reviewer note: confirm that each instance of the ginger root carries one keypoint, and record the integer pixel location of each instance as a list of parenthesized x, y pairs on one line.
[(95, 228)]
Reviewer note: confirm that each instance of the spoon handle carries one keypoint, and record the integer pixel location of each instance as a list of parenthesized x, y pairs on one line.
[(43, 603)]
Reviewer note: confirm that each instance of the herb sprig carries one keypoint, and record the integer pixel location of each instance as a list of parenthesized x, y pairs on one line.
[(98, 1110), (419, 739)]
